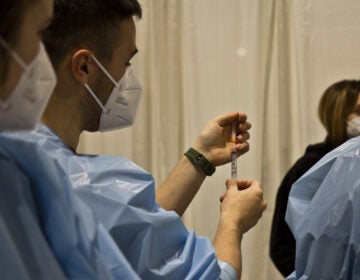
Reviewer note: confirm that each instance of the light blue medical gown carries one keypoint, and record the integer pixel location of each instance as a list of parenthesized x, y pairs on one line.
[(122, 197), (25, 253), (46, 232), (324, 215)]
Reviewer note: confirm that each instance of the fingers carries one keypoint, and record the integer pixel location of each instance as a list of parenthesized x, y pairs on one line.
[(235, 118), (242, 148), (227, 119), (242, 118), (241, 184), (244, 184), (255, 186), (243, 137), (243, 127), (242, 134), (231, 118), (231, 184), (264, 204)]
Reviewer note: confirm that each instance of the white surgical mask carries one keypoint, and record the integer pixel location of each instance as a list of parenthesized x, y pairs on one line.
[(24, 107), (120, 109), (353, 127)]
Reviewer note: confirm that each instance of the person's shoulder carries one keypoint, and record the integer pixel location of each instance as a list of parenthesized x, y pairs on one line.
[(317, 150), (39, 141), (15, 144), (350, 148), (10, 172), (19, 138), (313, 154)]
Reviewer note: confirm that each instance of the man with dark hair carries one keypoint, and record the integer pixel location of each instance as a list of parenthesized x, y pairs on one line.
[(91, 43)]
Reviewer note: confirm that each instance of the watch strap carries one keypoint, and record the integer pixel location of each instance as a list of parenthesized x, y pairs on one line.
[(201, 161)]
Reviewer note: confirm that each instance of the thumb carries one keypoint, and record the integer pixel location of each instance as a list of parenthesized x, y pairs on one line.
[(231, 184), (227, 119)]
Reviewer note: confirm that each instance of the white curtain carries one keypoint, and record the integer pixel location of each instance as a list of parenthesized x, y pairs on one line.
[(269, 58)]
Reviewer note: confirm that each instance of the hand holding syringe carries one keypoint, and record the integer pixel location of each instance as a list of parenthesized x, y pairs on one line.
[(224, 139)]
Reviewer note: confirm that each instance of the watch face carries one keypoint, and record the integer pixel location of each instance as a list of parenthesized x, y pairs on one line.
[(198, 157)]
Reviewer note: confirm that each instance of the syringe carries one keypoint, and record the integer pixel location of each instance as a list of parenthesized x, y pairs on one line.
[(233, 154)]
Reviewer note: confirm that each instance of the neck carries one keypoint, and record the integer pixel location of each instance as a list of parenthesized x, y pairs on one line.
[(62, 116)]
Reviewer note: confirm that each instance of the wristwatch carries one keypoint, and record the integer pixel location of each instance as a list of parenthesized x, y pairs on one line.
[(201, 161)]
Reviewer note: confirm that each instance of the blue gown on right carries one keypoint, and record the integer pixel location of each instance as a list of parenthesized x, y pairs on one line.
[(324, 215)]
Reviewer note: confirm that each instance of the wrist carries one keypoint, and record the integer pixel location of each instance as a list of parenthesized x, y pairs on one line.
[(200, 161), (201, 149), (230, 224)]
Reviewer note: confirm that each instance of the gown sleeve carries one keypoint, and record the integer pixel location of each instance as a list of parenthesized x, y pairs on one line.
[(154, 241)]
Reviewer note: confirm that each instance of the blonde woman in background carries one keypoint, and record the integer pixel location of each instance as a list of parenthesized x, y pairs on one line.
[(339, 111)]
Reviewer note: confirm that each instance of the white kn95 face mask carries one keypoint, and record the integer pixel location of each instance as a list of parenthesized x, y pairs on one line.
[(24, 107), (353, 127), (120, 109)]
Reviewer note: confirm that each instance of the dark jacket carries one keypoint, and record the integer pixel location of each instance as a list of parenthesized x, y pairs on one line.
[(282, 242)]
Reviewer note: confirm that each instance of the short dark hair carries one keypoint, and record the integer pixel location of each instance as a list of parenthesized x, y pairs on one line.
[(11, 15), (86, 23), (336, 104)]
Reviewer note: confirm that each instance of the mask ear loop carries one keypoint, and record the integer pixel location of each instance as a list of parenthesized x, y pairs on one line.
[(14, 55), (4, 105), (107, 74), (106, 111)]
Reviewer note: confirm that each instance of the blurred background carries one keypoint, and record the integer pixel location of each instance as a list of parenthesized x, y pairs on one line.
[(269, 58)]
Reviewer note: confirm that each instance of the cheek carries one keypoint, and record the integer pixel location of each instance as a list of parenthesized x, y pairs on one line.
[(28, 44), (103, 89), (120, 72)]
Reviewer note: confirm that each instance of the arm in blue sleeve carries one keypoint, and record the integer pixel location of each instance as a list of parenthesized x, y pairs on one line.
[(227, 271)]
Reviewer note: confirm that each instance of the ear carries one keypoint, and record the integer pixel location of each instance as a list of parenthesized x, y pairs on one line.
[(82, 66)]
